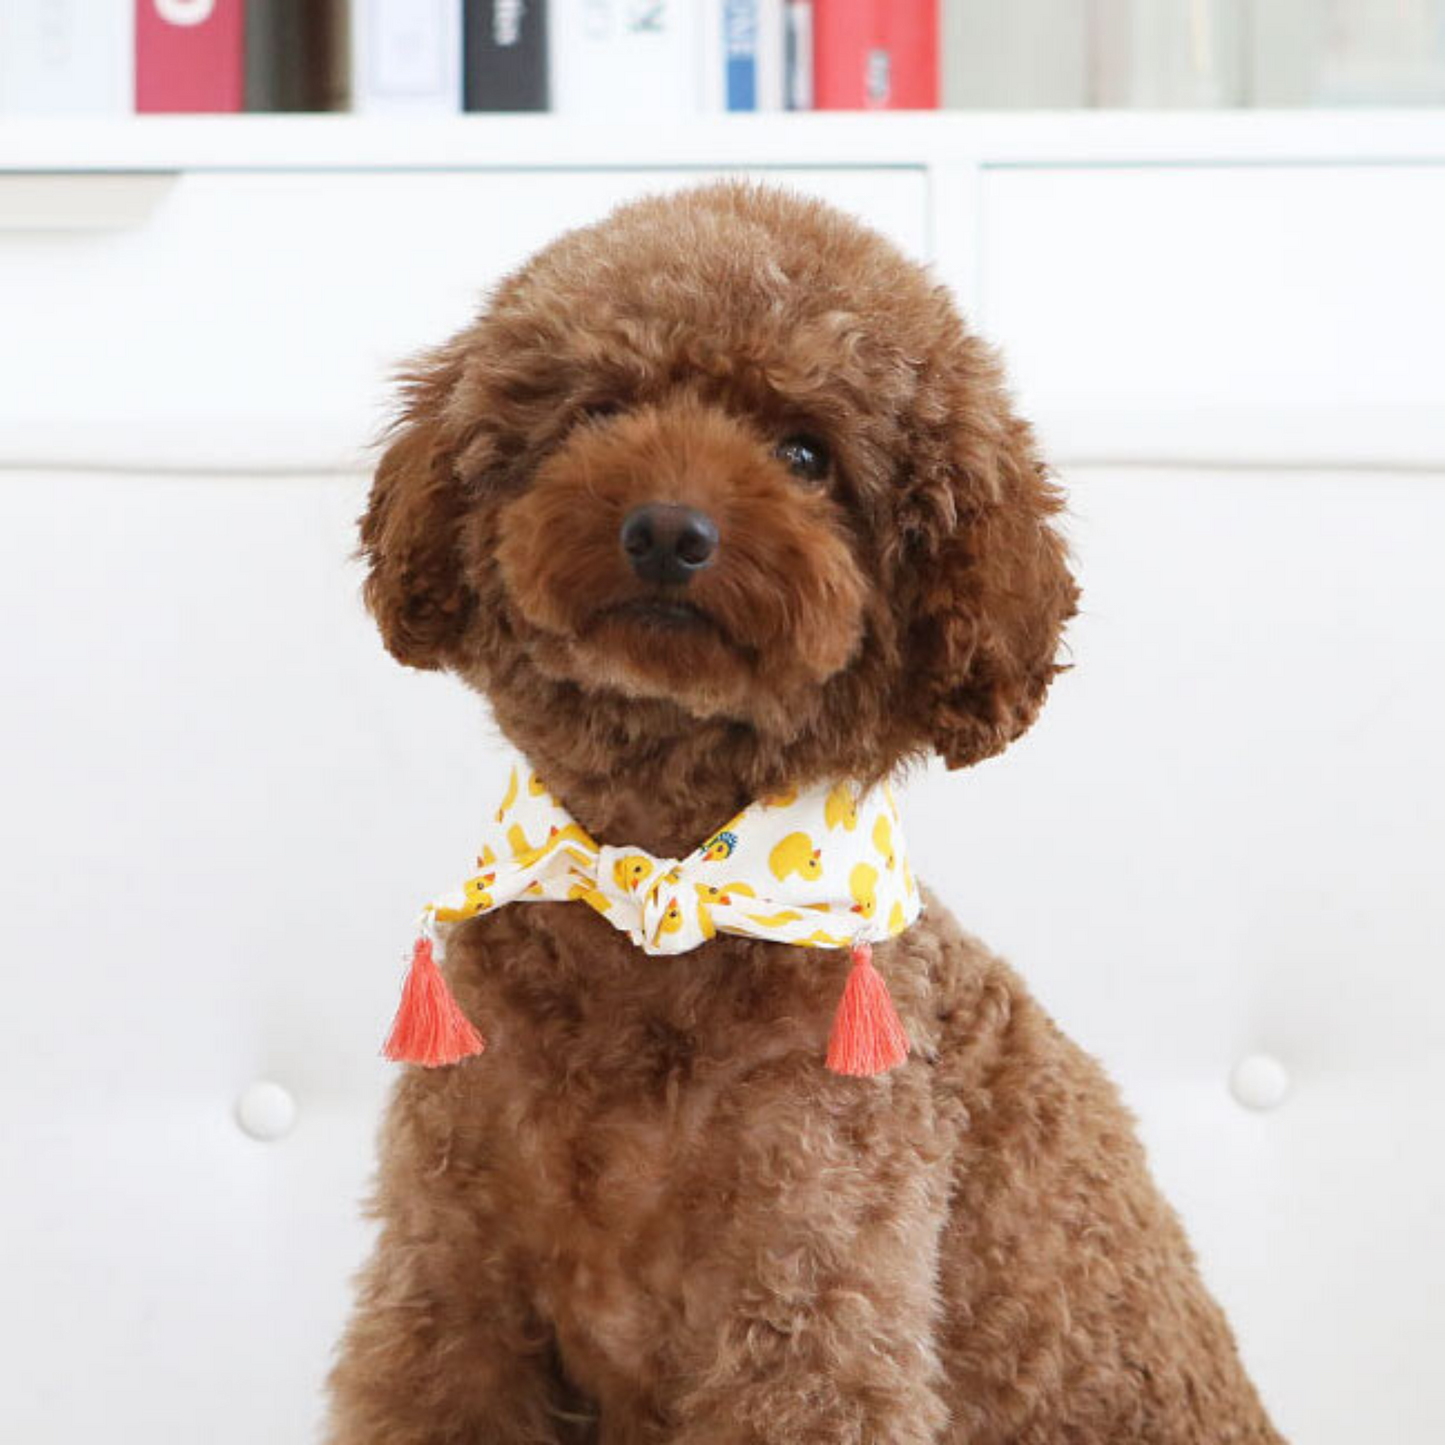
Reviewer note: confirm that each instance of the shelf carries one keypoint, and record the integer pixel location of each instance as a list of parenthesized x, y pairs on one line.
[(514, 142)]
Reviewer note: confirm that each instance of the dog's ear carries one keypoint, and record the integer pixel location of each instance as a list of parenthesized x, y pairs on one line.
[(992, 591), (409, 533)]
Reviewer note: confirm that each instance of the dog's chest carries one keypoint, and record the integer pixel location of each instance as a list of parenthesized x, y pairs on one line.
[(623, 1109), (626, 1127), (619, 1207)]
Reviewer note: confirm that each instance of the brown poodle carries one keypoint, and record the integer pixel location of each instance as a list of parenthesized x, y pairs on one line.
[(648, 1212)]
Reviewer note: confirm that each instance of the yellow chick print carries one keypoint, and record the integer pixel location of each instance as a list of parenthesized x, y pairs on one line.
[(631, 871), (723, 844), (796, 854), (526, 854), (908, 879), (820, 939), (883, 840), (775, 920), (572, 833), (841, 808), (785, 799), (862, 884), (710, 894), (671, 876), (509, 797), (536, 787), (589, 895), (478, 900), (896, 921), (671, 919)]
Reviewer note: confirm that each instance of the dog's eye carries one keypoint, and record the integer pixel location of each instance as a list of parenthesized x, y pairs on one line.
[(804, 456)]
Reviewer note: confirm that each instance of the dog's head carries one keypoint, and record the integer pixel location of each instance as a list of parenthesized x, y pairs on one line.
[(724, 470)]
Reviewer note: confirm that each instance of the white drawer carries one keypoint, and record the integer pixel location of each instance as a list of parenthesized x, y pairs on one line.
[(252, 319), (1222, 838), (223, 801), (1222, 313)]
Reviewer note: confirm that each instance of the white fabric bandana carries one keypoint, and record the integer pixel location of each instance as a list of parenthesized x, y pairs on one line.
[(824, 868)]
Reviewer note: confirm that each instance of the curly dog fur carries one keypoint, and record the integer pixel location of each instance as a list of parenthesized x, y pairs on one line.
[(647, 1212)]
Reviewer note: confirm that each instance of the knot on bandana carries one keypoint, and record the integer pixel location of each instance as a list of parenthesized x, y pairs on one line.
[(824, 867), (639, 896)]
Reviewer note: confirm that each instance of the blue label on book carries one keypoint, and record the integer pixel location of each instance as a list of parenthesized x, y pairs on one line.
[(740, 53)]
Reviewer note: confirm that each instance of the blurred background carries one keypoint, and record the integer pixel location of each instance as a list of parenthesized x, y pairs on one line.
[(113, 56), (1207, 237)]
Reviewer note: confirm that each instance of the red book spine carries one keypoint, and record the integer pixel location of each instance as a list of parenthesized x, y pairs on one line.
[(190, 55), (875, 54)]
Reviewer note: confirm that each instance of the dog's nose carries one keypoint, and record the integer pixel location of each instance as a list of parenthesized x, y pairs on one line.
[(667, 543)]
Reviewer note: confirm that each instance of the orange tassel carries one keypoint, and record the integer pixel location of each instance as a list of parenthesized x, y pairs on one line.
[(868, 1036), (430, 1029)]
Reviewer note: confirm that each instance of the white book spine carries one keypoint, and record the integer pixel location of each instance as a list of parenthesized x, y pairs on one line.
[(627, 59), (67, 56), (798, 54), (712, 52), (772, 68), (406, 57)]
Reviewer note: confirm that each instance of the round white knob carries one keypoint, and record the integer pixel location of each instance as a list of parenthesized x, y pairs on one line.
[(266, 1111), (1259, 1081)]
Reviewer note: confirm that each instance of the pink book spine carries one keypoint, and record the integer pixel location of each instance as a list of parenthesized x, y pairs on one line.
[(190, 55)]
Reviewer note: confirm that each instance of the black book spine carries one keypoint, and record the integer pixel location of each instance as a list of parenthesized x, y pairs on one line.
[(505, 56)]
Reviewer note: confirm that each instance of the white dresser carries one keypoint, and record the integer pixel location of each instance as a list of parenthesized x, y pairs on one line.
[(224, 802)]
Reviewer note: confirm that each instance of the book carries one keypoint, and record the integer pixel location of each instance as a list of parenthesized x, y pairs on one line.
[(1303, 52), (1159, 56), (190, 55), (406, 56), (505, 55), (1016, 54), (65, 55), (798, 55), (742, 55), (875, 54), (626, 59), (296, 55)]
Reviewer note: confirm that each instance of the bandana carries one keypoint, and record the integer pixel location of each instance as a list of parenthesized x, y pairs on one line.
[(824, 868)]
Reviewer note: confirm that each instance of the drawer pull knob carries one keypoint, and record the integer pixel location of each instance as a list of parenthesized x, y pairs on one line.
[(266, 1111), (58, 201), (1259, 1081)]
